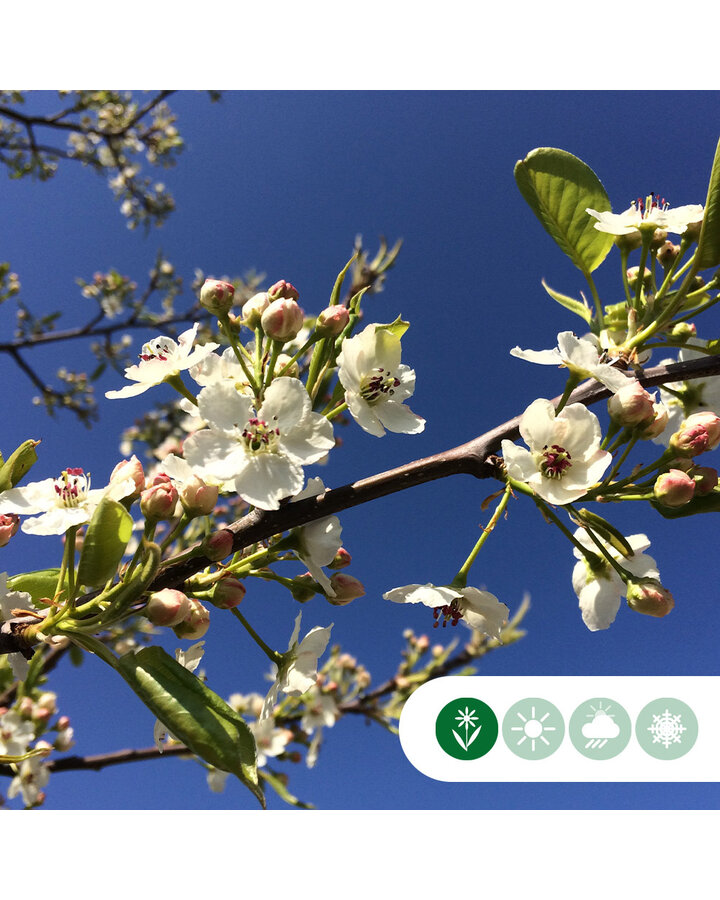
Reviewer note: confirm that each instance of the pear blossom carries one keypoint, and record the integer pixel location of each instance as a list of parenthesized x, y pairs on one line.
[(376, 384), (270, 740), (579, 355), (15, 734), (220, 367), (564, 459), (64, 502), (161, 359), (647, 215), (480, 610), (33, 775), (297, 672), (259, 455), (10, 600), (599, 592), (319, 540)]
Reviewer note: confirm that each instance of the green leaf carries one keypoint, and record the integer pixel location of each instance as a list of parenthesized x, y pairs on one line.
[(41, 585), (104, 544), (335, 295), (580, 309), (18, 464), (708, 250), (193, 713), (559, 187)]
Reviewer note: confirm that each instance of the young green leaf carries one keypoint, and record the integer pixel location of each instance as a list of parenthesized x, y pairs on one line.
[(708, 250), (580, 309), (559, 187), (193, 713), (41, 585), (106, 538)]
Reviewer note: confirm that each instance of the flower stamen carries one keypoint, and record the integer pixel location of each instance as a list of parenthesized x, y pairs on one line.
[(377, 385), (556, 461), (259, 437), (71, 487)]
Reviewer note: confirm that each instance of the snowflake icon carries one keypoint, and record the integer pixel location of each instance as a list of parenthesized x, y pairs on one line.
[(667, 729)]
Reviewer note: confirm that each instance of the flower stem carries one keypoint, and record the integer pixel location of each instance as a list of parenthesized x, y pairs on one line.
[(272, 655), (460, 580), (572, 382)]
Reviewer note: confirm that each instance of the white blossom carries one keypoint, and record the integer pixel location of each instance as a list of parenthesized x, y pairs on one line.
[(581, 356), (270, 740), (599, 592), (160, 359), (32, 777), (694, 396), (64, 502), (298, 671), (649, 215), (259, 455), (319, 540), (376, 384), (15, 734), (10, 600), (564, 459), (480, 610)]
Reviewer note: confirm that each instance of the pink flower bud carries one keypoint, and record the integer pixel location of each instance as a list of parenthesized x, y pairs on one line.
[(217, 296), (649, 598), (9, 524), (699, 432), (346, 589), (631, 405), (62, 723), (332, 320), (341, 560), (228, 592), (64, 741), (198, 498), (254, 308), (657, 425), (160, 499), (196, 623), (219, 545), (130, 468), (282, 290), (167, 607), (674, 488), (705, 478), (282, 320)]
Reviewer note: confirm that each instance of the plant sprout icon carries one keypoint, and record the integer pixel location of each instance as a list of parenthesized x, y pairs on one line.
[(601, 729), (468, 719), (533, 728)]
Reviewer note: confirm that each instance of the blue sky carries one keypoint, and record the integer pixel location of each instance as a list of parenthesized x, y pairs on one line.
[(283, 181)]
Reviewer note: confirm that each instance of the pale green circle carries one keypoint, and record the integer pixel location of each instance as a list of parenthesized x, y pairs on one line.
[(666, 728), (533, 728), (600, 728)]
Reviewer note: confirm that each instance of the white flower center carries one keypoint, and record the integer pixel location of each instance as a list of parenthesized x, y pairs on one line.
[(450, 613), (259, 437), (650, 203), (377, 385), (555, 461), (71, 488)]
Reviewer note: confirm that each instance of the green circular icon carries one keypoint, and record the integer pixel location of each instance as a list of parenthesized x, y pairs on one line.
[(600, 728), (533, 728), (466, 728), (666, 728)]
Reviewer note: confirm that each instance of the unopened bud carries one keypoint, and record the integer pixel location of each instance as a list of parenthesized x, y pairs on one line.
[(657, 425), (282, 290), (219, 545), (632, 276), (332, 320), (346, 589), (631, 405), (699, 432), (196, 622), (668, 253), (705, 478), (303, 587), (228, 592), (217, 296), (649, 598), (167, 607), (159, 500), (197, 497), (9, 524), (282, 320), (254, 308), (674, 488), (682, 332), (341, 560), (62, 723), (130, 468)]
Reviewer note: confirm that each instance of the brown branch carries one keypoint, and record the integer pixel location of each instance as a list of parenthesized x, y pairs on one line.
[(476, 458)]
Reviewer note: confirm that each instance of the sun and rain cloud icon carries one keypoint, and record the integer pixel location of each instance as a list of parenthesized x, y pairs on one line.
[(601, 729)]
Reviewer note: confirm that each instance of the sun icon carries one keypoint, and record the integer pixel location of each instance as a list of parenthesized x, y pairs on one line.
[(534, 727)]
